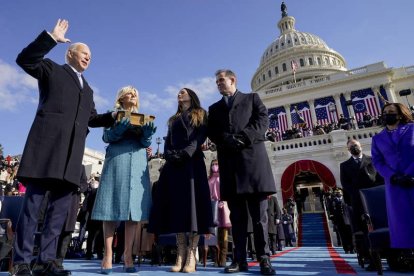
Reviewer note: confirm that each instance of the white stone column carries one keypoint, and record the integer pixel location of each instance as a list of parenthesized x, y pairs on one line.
[(376, 90), (288, 116), (389, 88), (337, 99), (312, 109), (351, 110)]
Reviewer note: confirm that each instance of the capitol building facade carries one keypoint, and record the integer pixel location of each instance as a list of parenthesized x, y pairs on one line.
[(304, 83)]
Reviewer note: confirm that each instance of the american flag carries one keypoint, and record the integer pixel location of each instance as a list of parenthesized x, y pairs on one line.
[(294, 65), (364, 101), (323, 115), (281, 122), (301, 114)]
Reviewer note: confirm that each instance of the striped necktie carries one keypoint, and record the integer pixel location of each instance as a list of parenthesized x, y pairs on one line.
[(80, 78)]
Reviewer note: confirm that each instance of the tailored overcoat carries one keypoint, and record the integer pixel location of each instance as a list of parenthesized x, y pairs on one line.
[(124, 191), (56, 141), (250, 165), (182, 197), (274, 213), (393, 152), (355, 177)]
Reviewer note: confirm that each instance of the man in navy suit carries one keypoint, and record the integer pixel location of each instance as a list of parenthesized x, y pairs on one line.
[(52, 157), (237, 125)]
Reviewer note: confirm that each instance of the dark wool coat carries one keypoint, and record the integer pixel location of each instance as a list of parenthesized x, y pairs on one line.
[(274, 213), (181, 201), (355, 177), (246, 171), (56, 141)]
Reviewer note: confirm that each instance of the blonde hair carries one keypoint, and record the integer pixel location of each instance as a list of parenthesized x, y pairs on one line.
[(121, 93)]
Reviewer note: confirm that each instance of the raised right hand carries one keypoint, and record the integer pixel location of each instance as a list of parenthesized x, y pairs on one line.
[(59, 31)]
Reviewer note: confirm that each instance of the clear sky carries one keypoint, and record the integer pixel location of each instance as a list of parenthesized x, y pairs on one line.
[(160, 46)]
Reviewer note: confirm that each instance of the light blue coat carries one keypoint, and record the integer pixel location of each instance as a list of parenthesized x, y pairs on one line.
[(124, 191)]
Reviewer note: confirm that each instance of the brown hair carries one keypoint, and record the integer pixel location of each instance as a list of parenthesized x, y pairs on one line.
[(198, 115), (227, 73)]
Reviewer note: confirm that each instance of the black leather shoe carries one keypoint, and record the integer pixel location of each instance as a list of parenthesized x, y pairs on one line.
[(235, 267), (21, 270), (371, 267), (266, 267), (49, 269)]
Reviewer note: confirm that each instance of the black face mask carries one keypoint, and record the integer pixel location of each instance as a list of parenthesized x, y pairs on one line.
[(355, 150), (390, 119)]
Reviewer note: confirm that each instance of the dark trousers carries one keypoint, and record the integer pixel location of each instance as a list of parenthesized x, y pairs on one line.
[(238, 216), (63, 244), (56, 213), (95, 238), (273, 246)]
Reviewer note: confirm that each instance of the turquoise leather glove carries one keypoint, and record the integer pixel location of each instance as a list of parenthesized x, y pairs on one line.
[(148, 130), (122, 126)]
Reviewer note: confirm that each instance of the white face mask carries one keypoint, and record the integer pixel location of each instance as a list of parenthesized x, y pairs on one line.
[(94, 184)]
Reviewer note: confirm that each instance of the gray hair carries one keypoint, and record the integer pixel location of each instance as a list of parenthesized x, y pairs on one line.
[(73, 48)]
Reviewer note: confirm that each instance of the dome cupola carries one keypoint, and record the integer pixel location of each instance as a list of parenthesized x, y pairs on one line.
[(295, 56)]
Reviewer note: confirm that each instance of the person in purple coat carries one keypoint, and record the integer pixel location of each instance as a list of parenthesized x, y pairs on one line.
[(393, 156)]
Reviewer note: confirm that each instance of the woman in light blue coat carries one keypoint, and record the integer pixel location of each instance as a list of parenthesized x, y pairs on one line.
[(124, 193)]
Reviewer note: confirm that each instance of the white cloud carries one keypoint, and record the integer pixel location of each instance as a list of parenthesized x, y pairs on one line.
[(166, 101), (101, 103), (16, 87)]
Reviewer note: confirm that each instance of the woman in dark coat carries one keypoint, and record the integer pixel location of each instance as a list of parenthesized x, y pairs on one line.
[(182, 201)]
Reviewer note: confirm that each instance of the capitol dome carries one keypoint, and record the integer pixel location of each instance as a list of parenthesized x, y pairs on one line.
[(306, 54)]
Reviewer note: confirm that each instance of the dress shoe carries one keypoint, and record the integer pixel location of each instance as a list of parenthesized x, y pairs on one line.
[(236, 267), (371, 267), (130, 269), (106, 271), (21, 270), (266, 267), (49, 269)]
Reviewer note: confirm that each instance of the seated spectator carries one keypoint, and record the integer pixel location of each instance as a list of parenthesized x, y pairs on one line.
[(343, 122)]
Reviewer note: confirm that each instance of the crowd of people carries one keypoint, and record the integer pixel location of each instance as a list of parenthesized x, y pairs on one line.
[(10, 185), (319, 128)]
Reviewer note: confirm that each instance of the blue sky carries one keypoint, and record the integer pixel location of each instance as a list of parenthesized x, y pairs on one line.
[(160, 46)]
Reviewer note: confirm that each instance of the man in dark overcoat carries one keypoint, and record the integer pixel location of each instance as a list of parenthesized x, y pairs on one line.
[(357, 173), (275, 227), (237, 125), (52, 157)]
